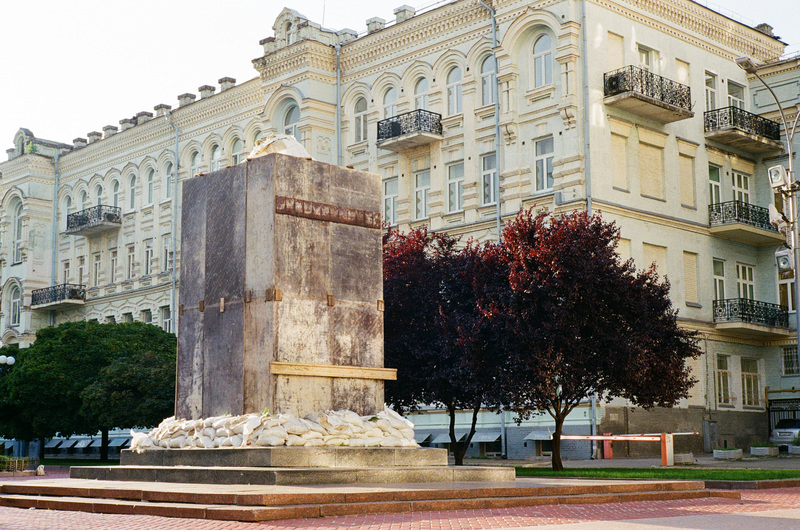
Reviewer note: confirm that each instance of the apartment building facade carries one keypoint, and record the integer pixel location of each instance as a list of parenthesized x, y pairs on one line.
[(633, 108)]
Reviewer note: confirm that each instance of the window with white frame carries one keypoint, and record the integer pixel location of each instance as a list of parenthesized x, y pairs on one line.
[(216, 157), (390, 192), (454, 91), (741, 187), (745, 282), (17, 228), (67, 209), (786, 290), (290, 121), (148, 257), (130, 264), (96, 269), (132, 193), (455, 187), (112, 267), (98, 193), (390, 103), (751, 390), (422, 188), (147, 316), (151, 183), (488, 176), (166, 319), (15, 305), (81, 270), (65, 271), (360, 120), (421, 93), (542, 62), (168, 180), (735, 95), (127, 317), (790, 364), (645, 57), (714, 185), (488, 74), (116, 194), (169, 256), (724, 380), (237, 152), (544, 164), (719, 279), (194, 164), (711, 91), (84, 200)]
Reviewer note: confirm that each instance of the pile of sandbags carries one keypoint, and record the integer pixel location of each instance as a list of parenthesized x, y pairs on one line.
[(331, 428)]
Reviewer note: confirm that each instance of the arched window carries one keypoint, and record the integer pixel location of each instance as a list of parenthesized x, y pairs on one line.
[(454, 91), (360, 111), (84, 200), (290, 121), (216, 157), (67, 210), (488, 95), (168, 180), (16, 227), (542, 62), (289, 33), (194, 164), (390, 103), (151, 185), (98, 193), (116, 192), (15, 302), (421, 94), (132, 193), (237, 152)]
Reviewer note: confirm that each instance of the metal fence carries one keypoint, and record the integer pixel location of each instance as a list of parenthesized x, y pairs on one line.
[(751, 311), (56, 293), (93, 216), (641, 81), (748, 122), (410, 122), (724, 213)]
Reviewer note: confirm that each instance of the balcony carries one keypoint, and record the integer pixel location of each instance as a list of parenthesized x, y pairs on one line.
[(409, 130), (750, 319), (743, 222), (637, 90), (734, 127), (61, 296), (94, 220)]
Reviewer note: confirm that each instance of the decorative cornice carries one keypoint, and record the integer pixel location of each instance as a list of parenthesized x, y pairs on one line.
[(306, 54)]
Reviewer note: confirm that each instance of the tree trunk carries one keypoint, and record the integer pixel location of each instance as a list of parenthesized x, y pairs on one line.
[(41, 449), (557, 465), (103, 444), (456, 447)]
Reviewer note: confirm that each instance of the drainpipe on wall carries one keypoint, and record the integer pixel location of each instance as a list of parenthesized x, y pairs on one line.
[(173, 276), (338, 103), (56, 185)]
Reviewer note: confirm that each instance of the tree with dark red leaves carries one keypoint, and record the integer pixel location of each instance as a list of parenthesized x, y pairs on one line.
[(580, 321)]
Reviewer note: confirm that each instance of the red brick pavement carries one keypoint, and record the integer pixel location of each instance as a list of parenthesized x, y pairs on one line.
[(752, 501)]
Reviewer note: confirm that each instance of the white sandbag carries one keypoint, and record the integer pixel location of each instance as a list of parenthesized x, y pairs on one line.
[(221, 422), (391, 441), (140, 441), (405, 442), (206, 442), (372, 442), (374, 433), (276, 431), (236, 440), (395, 418), (225, 442), (314, 442), (295, 440), (295, 426), (177, 442), (270, 441), (407, 433), (210, 432), (314, 426), (311, 434), (356, 442), (383, 424), (279, 143)]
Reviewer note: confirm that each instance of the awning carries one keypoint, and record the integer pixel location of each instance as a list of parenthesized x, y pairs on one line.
[(444, 438), (485, 436), (541, 434), (68, 444), (82, 444), (420, 437), (53, 443), (118, 442)]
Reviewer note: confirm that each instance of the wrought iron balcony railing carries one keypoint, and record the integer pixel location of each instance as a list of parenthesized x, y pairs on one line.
[(58, 293), (725, 213), (751, 311), (748, 122), (646, 83), (409, 122), (96, 216)]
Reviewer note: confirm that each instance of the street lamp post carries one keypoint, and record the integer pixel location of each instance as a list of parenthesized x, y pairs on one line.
[(7, 360), (787, 184)]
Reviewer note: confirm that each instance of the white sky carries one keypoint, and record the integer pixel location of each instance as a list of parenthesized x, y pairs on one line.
[(70, 67)]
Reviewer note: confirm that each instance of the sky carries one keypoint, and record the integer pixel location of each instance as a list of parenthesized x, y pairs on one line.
[(69, 67)]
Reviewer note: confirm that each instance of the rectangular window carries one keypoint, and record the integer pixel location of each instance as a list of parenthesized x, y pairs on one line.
[(686, 168), (741, 187), (131, 263), (166, 319), (111, 319), (735, 95), (619, 161), (723, 380), (714, 189), (786, 290), (147, 316), (655, 254), (690, 277), (81, 270), (65, 271), (488, 176), (745, 282), (96, 270), (148, 257), (711, 91), (390, 192), (719, 279), (544, 164), (615, 52), (651, 170), (112, 271), (682, 72), (645, 57), (455, 187), (169, 256), (750, 384), (790, 364), (127, 317), (422, 188)]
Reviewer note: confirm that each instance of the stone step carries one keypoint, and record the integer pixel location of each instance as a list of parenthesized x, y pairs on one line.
[(295, 475), (297, 511)]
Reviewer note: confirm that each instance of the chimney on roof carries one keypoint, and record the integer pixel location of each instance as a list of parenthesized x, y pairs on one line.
[(94, 136), (766, 29), (126, 123), (206, 91), (77, 143), (143, 116), (186, 99), (403, 13), (375, 24), (226, 82), (346, 35), (109, 130), (161, 109)]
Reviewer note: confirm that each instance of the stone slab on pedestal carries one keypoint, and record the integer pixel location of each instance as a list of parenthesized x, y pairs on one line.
[(288, 457)]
